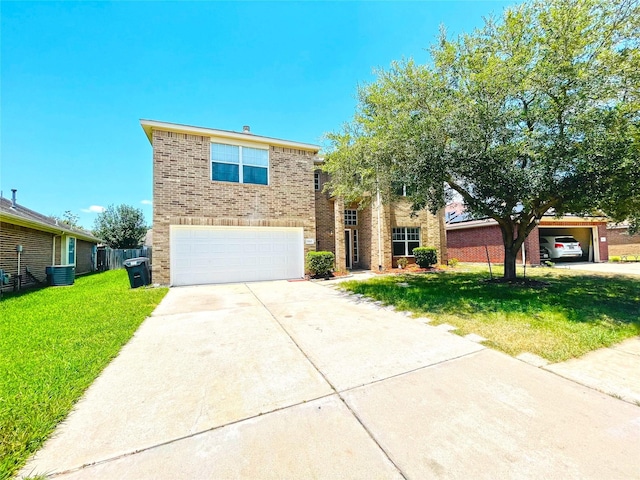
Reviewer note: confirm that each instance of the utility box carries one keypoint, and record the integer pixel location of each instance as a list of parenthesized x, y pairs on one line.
[(139, 271), (58, 275)]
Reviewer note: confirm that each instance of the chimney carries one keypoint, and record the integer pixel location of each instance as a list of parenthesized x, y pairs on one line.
[(246, 129), (13, 197)]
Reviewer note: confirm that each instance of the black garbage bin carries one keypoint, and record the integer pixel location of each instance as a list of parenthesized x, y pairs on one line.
[(138, 270)]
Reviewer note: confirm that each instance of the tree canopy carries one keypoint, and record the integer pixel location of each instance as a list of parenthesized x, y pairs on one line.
[(120, 227), (536, 112)]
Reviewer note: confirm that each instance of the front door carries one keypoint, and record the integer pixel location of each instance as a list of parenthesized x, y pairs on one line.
[(347, 248)]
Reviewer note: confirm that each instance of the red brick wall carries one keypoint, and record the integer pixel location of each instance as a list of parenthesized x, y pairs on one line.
[(468, 244)]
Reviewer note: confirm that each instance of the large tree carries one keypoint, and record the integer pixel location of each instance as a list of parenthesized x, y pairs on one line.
[(536, 112), (120, 227)]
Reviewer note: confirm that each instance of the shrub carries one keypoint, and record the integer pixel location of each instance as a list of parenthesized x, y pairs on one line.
[(425, 256), (320, 263), (453, 262), (614, 259), (403, 262), (549, 263)]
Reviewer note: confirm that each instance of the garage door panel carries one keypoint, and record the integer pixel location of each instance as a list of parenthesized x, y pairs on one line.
[(202, 255)]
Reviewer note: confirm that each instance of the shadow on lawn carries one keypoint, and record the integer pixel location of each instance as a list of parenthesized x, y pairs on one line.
[(580, 298)]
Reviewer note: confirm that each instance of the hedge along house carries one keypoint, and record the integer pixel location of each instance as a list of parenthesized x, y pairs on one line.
[(236, 207), (472, 240), (30, 242), (229, 206), (376, 236)]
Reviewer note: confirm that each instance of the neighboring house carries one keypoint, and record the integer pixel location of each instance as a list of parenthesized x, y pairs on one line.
[(621, 242), (43, 241), (234, 206), (470, 240)]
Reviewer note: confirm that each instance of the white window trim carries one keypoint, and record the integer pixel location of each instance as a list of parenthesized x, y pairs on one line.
[(240, 164), (64, 251), (406, 240)]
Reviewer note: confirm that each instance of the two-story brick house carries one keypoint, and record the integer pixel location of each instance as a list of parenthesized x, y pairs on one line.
[(234, 206)]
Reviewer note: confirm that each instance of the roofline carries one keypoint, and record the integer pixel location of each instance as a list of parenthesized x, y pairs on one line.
[(44, 227), (545, 221), (485, 222), (149, 125)]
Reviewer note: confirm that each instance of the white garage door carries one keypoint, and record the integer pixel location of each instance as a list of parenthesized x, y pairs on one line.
[(202, 255)]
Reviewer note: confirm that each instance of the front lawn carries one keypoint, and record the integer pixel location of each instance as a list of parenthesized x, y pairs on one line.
[(53, 343), (574, 314)]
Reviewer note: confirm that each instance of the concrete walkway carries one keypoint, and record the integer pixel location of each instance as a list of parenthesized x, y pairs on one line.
[(296, 380)]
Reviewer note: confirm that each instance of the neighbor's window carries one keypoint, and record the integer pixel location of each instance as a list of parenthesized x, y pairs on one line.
[(350, 217), (233, 163), (405, 239), (316, 181)]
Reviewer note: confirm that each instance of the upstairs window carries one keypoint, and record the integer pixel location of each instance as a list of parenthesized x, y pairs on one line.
[(233, 163), (350, 218), (316, 181), (405, 239)]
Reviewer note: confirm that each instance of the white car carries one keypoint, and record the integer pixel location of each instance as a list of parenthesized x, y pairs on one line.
[(561, 246)]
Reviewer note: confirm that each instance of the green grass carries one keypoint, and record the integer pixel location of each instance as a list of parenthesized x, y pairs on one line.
[(53, 343), (574, 314)]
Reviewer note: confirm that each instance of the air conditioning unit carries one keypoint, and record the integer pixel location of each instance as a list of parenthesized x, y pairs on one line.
[(5, 278)]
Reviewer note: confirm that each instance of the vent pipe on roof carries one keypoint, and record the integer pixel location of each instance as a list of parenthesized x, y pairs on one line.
[(246, 129), (13, 197)]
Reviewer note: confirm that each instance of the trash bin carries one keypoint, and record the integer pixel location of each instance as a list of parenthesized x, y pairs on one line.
[(138, 270), (58, 275)]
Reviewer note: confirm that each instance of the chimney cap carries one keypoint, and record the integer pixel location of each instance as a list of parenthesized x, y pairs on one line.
[(246, 129)]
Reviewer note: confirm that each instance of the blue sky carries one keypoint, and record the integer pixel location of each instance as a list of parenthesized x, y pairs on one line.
[(76, 78)]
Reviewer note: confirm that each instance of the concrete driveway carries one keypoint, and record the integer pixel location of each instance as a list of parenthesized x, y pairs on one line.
[(627, 268), (297, 380)]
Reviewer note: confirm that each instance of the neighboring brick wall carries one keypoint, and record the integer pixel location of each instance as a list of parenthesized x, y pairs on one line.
[(184, 193), (36, 253), (468, 244), (621, 243), (325, 218), (84, 263)]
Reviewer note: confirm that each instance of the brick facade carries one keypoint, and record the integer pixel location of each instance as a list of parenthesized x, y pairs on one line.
[(325, 217), (621, 243), (36, 252), (184, 193), (373, 256), (471, 244)]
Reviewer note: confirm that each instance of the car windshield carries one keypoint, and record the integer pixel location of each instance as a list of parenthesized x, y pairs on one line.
[(566, 240)]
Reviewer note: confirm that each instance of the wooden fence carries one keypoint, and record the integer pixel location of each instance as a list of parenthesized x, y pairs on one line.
[(113, 258)]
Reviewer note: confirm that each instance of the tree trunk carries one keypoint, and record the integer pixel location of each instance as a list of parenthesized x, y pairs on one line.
[(509, 263)]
